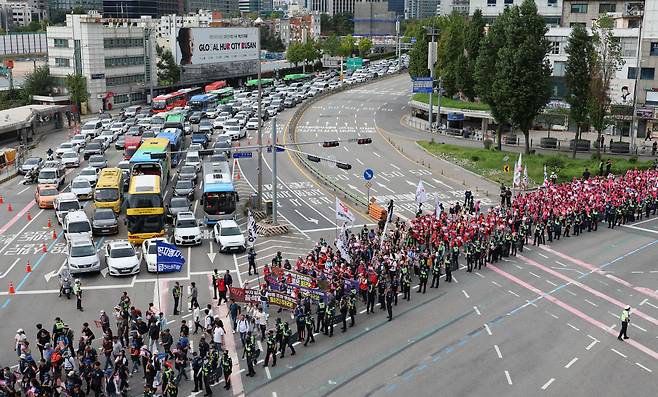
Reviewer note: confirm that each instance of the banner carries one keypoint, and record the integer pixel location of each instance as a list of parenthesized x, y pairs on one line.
[(281, 299), (244, 295), (518, 168), (525, 176), (341, 243), (169, 258), (251, 229), (421, 194), (207, 45), (437, 207), (343, 213), (545, 176)]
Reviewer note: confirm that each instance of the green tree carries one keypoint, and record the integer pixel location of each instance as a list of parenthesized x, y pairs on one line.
[(365, 45), (331, 45), (38, 82), (270, 41), (326, 25), (577, 77), (168, 70), (418, 57), (450, 52), (523, 75), (606, 61), (347, 46), (472, 39), (76, 85), (311, 52), (295, 53), (343, 23), (80, 10)]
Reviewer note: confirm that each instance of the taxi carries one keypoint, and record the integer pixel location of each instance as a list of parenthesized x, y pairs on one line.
[(45, 195)]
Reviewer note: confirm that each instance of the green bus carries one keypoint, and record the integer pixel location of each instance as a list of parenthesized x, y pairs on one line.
[(263, 82), (297, 77), (224, 95)]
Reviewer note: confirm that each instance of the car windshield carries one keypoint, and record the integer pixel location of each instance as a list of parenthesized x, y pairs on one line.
[(83, 250), (48, 192), (178, 202), (186, 223), (230, 231), (66, 145), (192, 159), (96, 159), (70, 155), (79, 227), (81, 185), (48, 175), (117, 125), (65, 206), (94, 146), (88, 172), (157, 120), (153, 248), (188, 169), (107, 133), (32, 161), (123, 252), (184, 184), (104, 215)]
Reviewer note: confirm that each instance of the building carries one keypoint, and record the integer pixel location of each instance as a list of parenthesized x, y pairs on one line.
[(116, 56), (250, 6), (418, 9), (332, 7), (397, 6), (22, 13), (299, 28), (168, 7), (166, 24), (551, 10), (374, 18), (130, 8), (226, 7), (64, 6), (586, 12)]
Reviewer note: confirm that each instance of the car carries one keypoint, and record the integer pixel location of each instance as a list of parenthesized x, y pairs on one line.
[(252, 124), (91, 149), (193, 158), (119, 128), (157, 123), (105, 143), (228, 236), (135, 130), (70, 159), (90, 174), (29, 164), (120, 143), (65, 147), (45, 194), (176, 205), (206, 127), (200, 138), (150, 252), (186, 229), (82, 188), (76, 223), (148, 134), (124, 165), (289, 102), (223, 145), (109, 136), (65, 202), (130, 121), (187, 172), (52, 175), (272, 111), (132, 111), (195, 117), (98, 161), (184, 188), (121, 258), (104, 222), (79, 140), (212, 113), (235, 132), (82, 256), (92, 128), (145, 122), (194, 147)]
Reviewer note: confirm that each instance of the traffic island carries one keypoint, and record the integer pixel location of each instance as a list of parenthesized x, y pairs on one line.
[(265, 228)]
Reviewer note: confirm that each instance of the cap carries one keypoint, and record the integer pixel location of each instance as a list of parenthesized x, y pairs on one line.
[(628, 307), (20, 330), (72, 373)]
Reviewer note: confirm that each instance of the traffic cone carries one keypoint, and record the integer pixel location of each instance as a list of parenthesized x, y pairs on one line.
[(12, 291), (237, 176), (54, 234), (2, 200), (49, 223), (29, 216), (43, 248), (9, 209), (28, 268)]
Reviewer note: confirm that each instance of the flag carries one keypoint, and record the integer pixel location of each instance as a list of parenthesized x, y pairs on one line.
[(343, 213), (421, 194), (545, 176), (251, 229), (437, 207), (341, 243), (525, 176), (169, 258), (389, 219), (518, 168)]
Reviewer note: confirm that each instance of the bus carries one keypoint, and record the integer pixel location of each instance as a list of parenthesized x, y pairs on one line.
[(166, 102), (203, 102), (108, 189), (219, 198), (175, 137), (224, 95), (297, 77), (175, 120), (263, 83), (145, 212), (215, 86), (190, 92), (152, 158), (130, 146)]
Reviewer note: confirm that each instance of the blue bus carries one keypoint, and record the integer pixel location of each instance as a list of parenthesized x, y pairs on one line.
[(219, 198), (175, 137), (203, 102)]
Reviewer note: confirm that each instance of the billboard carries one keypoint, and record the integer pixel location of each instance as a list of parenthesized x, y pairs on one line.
[(209, 53)]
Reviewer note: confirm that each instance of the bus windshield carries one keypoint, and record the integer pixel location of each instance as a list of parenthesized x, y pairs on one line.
[(145, 200), (106, 195), (146, 223), (219, 203)]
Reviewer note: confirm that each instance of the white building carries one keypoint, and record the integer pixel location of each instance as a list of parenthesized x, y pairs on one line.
[(551, 10), (21, 13), (117, 57)]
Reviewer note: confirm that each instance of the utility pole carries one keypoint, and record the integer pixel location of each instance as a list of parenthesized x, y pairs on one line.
[(259, 191), (638, 71), (431, 60), (274, 180), (438, 115)]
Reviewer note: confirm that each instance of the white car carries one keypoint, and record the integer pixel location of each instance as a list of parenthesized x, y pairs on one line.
[(118, 128), (121, 258), (82, 188), (65, 147), (228, 236), (211, 113), (219, 121), (193, 158), (79, 140), (82, 256), (109, 136), (235, 132), (70, 159), (150, 252), (252, 124), (90, 174), (186, 229)]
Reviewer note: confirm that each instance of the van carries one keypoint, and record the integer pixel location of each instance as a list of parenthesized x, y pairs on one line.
[(132, 111), (52, 176), (76, 224), (65, 202), (92, 129)]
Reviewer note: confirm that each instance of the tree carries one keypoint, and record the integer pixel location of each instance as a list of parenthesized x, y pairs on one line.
[(523, 75), (76, 84), (331, 45), (346, 48), (451, 50), (310, 52), (39, 82), (295, 53), (168, 70), (270, 41), (365, 45), (343, 23), (418, 57), (472, 39), (577, 77), (606, 61)]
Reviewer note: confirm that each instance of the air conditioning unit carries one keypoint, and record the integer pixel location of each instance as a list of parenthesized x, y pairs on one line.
[(634, 8)]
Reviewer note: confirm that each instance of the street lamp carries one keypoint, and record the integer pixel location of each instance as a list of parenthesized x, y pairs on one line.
[(259, 192)]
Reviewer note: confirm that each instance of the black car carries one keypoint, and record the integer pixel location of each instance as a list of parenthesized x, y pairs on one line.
[(222, 146), (184, 188), (195, 118), (187, 172), (91, 149), (104, 222), (176, 205)]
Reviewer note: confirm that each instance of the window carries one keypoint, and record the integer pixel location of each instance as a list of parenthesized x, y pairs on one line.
[(607, 7), (62, 62), (559, 69), (123, 42), (491, 3), (579, 8), (551, 3), (61, 43), (653, 50), (123, 61), (509, 2), (628, 47), (633, 23), (119, 99), (645, 74), (124, 80), (555, 47), (574, 24)]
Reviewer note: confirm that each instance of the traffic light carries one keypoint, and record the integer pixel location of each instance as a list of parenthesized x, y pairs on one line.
[(364, 141), (314, 159), (206, 152), (344, 166), (330, 144)]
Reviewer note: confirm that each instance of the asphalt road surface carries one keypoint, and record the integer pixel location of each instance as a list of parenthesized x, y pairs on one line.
[(544, 322)]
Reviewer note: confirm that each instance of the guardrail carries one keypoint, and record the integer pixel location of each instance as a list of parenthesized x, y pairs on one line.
[(292, 134)]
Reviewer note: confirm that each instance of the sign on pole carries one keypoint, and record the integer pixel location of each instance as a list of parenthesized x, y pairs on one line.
[(423, 84), (243, 155), (368, 174)]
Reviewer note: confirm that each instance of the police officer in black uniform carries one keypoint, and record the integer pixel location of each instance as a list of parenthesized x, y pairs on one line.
[(271, 349)]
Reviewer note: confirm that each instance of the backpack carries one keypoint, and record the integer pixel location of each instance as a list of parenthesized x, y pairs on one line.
[(55, 357)]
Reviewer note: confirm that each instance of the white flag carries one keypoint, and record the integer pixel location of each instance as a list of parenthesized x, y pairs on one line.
[(437, 207), (545, 176), (518, 168), (343, 213), (525, 176), (341, 243), (251, 229), (421, 194)]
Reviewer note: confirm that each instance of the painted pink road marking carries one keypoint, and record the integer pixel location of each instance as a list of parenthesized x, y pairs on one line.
[(586, 288), (642, 290), (16, 217), (572, 310)]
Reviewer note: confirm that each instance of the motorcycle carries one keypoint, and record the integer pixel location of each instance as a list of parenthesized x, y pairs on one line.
[(66, 288), (32, 176)]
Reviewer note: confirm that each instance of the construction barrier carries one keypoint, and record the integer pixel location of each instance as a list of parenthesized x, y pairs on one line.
[(376, 212)]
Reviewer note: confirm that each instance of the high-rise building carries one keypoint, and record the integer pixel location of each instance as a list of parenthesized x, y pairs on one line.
[(23, 12), (64, 6), (250, 5), (373, 18), (397, 6), (168, 7), (130, 8), (340, 6), (420, 8), (226, 7)]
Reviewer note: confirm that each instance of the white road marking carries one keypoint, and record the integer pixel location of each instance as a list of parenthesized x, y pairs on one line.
[(552, 315), (486, 327), (643, 367), (548, 384), (498, 351), (377, 154), (531, 303), (267, 373), (538, 276), (560, 263), (551, 283), (359, 161), (465, 294), (571, 362), (637, 272), (573, 327), (274, 394), (591, 303), (594, 342), (542, 255), (455, 280), (395, 166), (509, 380), (495, 283), (621, 354), (519, 267), (638, 327), (477, 310), (572, 293), (479, 274), (22, 191), (514, 293)]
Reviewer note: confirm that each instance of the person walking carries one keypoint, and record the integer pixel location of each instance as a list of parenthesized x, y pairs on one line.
[(194, 295), (176, 292), (389, 303), (252, 260), (308, 320), (271, 349), (215, 277), (197, 365), (221, 291), (286, 341), (227, 369), (625, 319)]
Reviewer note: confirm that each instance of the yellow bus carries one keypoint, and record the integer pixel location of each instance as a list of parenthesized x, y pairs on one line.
[(145, 212), (108, 189)]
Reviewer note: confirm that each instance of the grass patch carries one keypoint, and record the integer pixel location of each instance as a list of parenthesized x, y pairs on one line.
[(451, 103), (489, 163)]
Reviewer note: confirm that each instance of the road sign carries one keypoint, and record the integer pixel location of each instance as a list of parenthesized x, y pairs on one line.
[(278, 149), (354, 63), (368, 174), (368, 185), (243, 155), (506, 168), (506, 158), (413, 40), (423, 84)]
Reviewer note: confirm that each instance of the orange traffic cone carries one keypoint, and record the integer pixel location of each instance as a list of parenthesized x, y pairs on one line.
[(2, 200), (49, 224), (28, 268), (237, 176), (54, 234), (9, 207), (29, 216), (12, 291), (43, 248)]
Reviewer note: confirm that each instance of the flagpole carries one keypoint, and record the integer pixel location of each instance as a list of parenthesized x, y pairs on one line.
[(157, 278)]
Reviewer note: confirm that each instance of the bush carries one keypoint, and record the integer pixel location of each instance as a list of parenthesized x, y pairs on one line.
[(488, 143), (633, 159), (475, 158), (555, 162)]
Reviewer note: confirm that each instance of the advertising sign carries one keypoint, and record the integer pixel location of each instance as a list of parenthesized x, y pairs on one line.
[(215, 53)]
